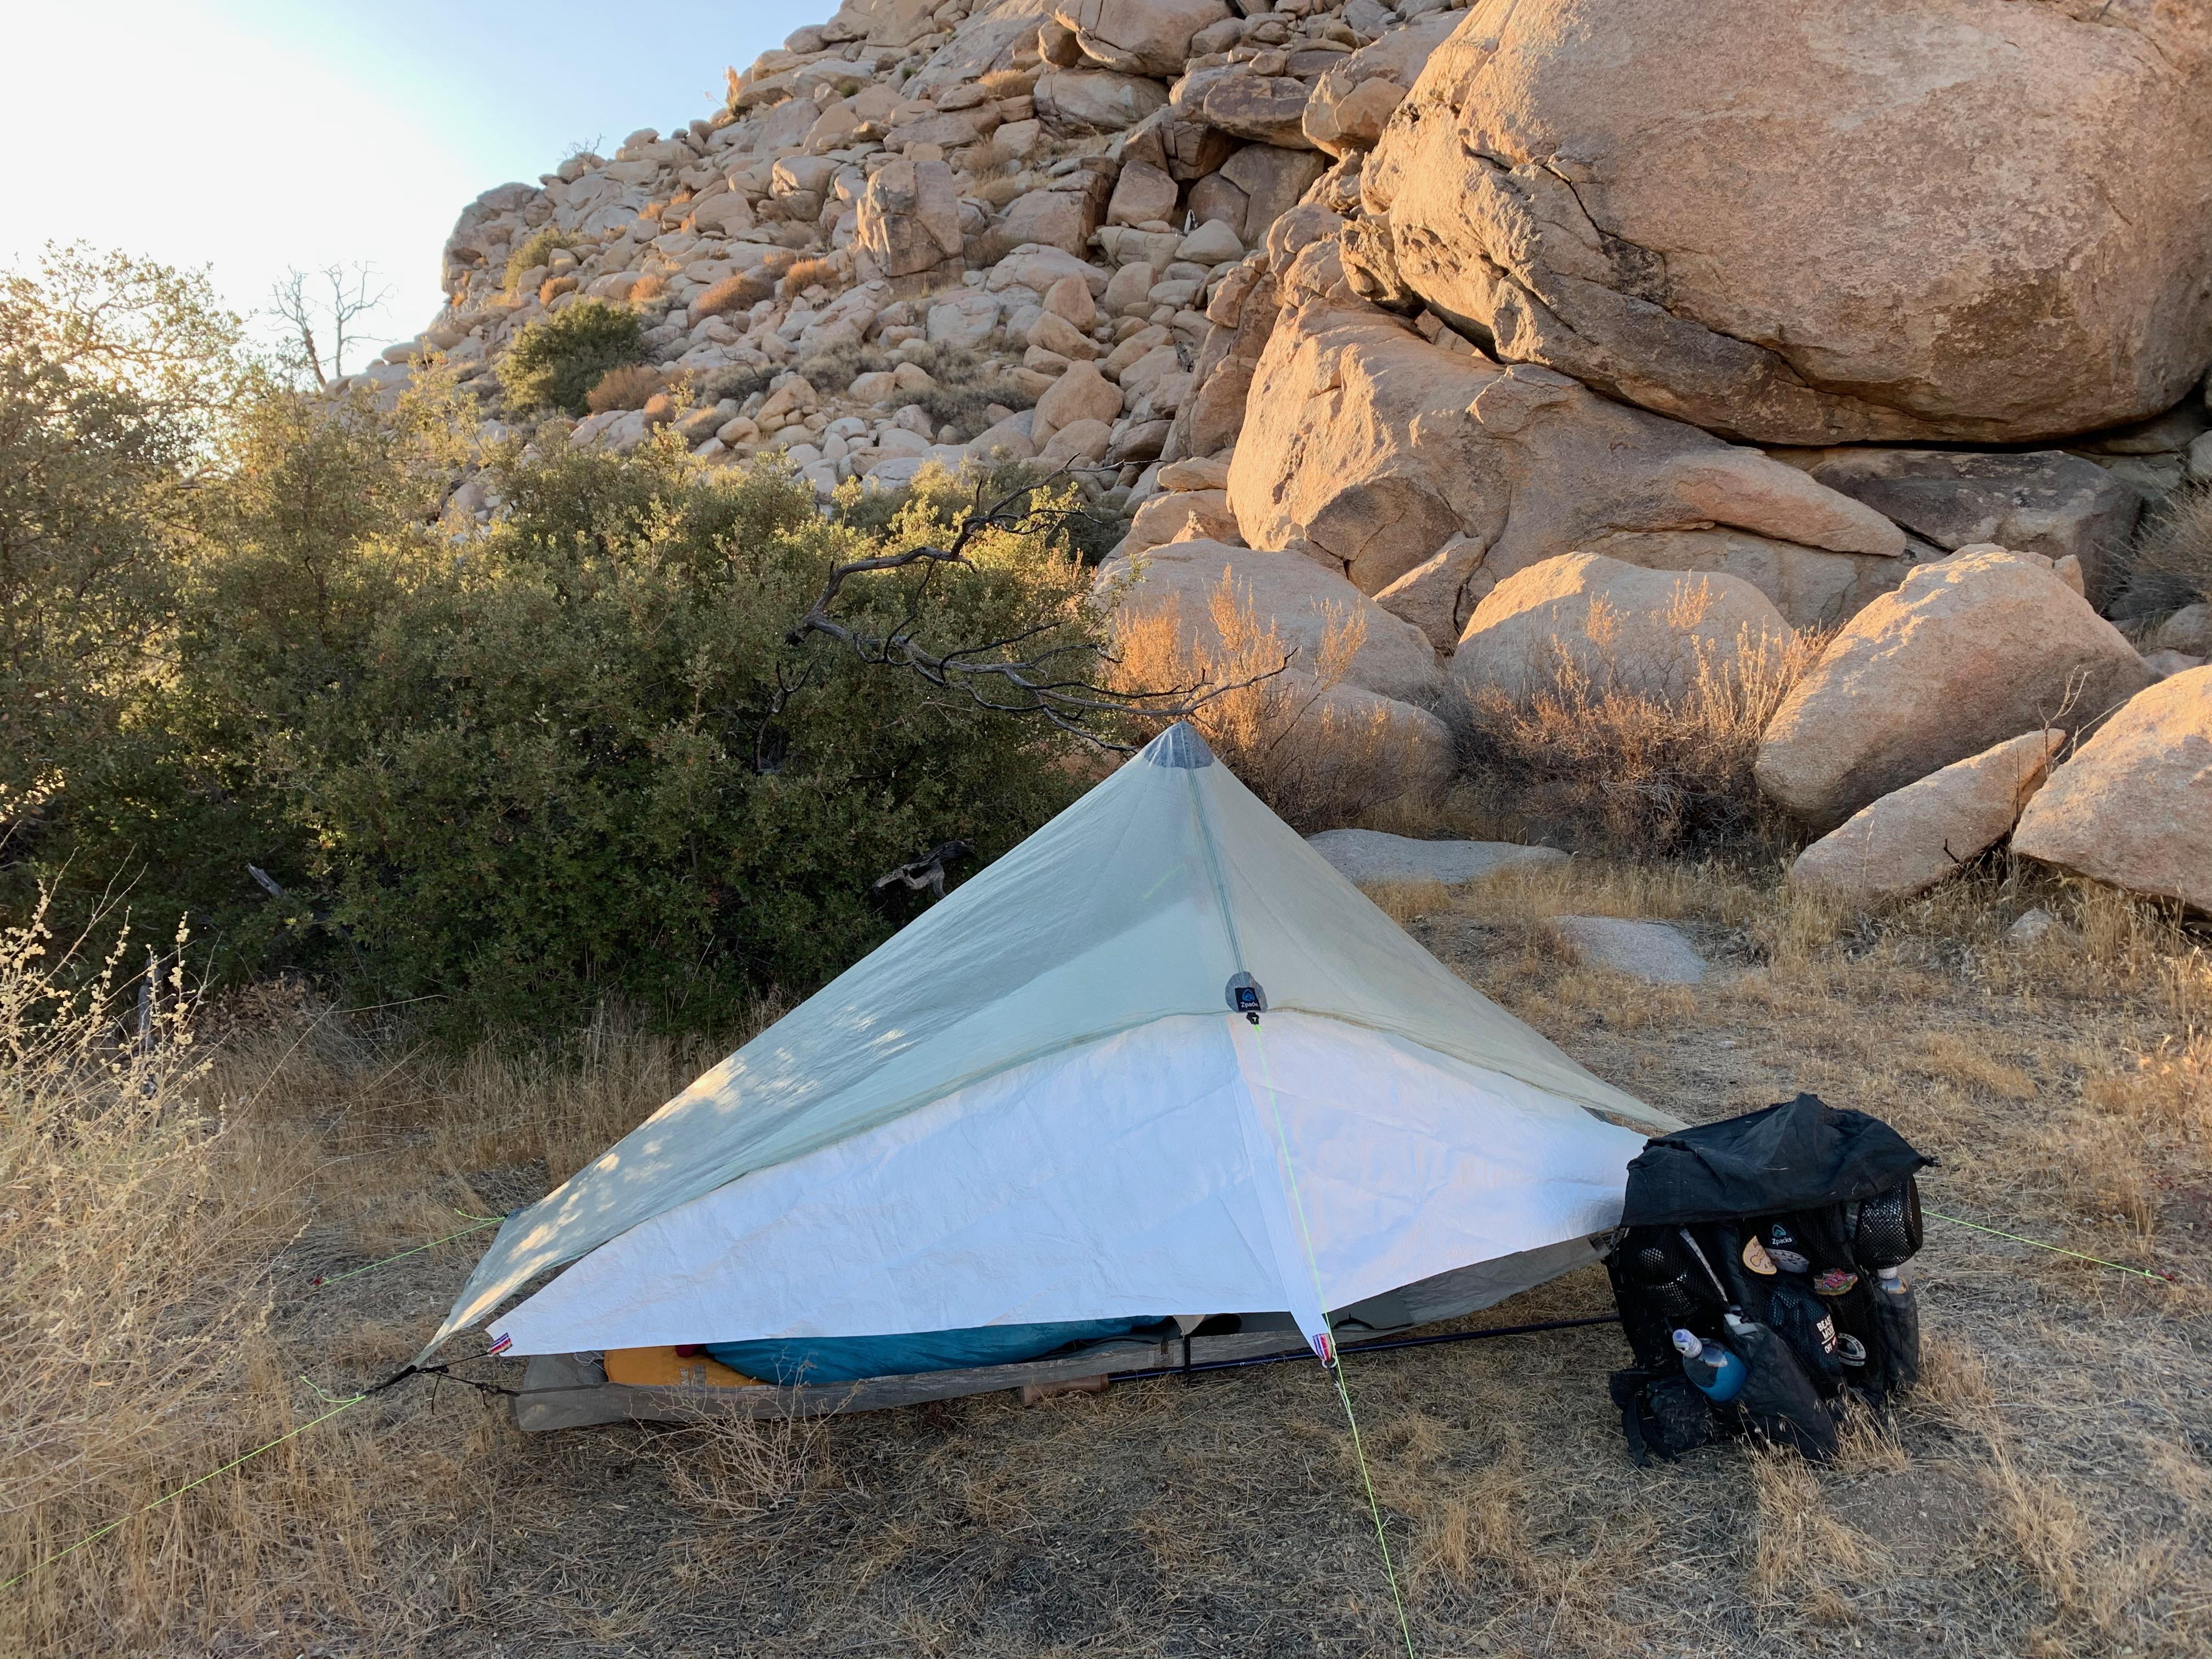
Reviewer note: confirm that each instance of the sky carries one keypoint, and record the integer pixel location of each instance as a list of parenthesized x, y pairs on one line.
[(254, 135)]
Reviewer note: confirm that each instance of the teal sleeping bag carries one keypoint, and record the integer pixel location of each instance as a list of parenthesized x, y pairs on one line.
[(851, 1358)]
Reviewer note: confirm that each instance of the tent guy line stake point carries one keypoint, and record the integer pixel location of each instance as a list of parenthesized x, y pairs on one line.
[(2037, 1243), (1331, 1357)]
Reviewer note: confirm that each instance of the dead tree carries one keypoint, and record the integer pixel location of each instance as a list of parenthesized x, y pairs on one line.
[(297, 302), (999, 675)]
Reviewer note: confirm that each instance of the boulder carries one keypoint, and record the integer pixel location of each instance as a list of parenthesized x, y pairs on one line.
[(1208, 473), (1645, 633), (1353, 98), (1912, 838), (881, 22), (1438, 596), (1648, 950), (1073, 102), (1209, 243), (1267, 109), (2134, 805), (1187, 515), (1364, 444), (1273, 179), (1080, 443), (2188, 630), (1055, 333), (963, 319), (910, 217), (1828, 222), (1142, 194), (1371, 857), (1057, 217), (1080, 394), (2046, 502), (1138, 37), (1971, 651), (1298, 598), (1070, 298)]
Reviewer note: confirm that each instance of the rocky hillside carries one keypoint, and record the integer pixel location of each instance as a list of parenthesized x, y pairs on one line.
[(1422, 298)]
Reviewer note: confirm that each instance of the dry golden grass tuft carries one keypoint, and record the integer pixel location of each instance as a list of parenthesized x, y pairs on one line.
[(1317, 759), (809, 273), (632, 386), (648, 287), (1650, 773), (738, 292)]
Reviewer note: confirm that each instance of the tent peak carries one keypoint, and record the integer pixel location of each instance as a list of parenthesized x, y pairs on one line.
[(1180, 745)]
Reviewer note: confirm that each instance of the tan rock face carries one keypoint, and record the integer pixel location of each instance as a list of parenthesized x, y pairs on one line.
[(1968, 653), (1647, 633), (1364, 444), (909, 218), (1909, 840), (1138, 37), (1352, 100), (1080, 394), (2134, 807), (1301, 598), (1828, 221), (1073, 102)]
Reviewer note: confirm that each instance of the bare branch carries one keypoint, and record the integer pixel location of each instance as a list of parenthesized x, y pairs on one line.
[(987, 673)]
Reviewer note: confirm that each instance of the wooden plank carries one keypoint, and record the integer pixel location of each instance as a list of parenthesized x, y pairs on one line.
[(559, 1392)]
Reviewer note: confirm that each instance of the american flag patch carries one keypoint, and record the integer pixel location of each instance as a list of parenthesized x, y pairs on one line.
[(501, 1346)]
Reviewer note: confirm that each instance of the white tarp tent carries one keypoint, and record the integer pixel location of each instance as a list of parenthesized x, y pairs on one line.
[(1037, 1104)]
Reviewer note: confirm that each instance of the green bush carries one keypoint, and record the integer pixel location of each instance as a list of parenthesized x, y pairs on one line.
[(555, 361), (499, 772)]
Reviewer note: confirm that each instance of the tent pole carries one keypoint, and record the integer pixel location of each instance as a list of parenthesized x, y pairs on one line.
[(1187, 1369)]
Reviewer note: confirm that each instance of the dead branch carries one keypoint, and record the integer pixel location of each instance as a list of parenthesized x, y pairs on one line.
[(993, 674)]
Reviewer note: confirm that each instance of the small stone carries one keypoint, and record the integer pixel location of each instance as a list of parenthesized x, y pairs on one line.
[(1649, 951)]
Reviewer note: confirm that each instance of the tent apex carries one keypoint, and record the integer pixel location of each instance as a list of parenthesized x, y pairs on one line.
[(1180, 745)]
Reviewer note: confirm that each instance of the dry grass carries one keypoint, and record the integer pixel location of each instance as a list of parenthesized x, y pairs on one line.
[(1318, 760), (739, 293), (807, 273), (1593, 747), (2046, 1492), (648, 287), (632, 386), (2171, 565)]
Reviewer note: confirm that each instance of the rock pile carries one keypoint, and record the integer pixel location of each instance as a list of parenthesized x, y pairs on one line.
[(1430, 310)]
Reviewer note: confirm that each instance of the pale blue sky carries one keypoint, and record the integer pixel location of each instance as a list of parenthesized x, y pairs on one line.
[(257, 134)]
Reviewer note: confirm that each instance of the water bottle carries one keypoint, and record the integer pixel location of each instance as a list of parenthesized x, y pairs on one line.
[(1891, 1280), (1717, 1371)]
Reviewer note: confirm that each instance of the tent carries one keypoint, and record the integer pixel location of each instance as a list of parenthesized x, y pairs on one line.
[(1160, 1059)]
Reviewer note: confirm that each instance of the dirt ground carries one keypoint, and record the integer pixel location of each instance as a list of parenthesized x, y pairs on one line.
[(2049, 1491)]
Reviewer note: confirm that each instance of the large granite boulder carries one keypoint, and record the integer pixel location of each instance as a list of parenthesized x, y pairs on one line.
[(1909, 840), (1073, 102), (2046, 501), (1299, 597), (1971, 651), (1368, 446), (909, 218), (1645, 632), (1138, 37), (1834, 221), (2134, 807)]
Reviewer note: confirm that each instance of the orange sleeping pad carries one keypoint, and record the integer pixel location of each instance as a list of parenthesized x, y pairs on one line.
[(665, 1368)]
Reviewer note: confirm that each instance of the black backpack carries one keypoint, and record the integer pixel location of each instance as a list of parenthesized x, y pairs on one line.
[(1767, 1234)]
